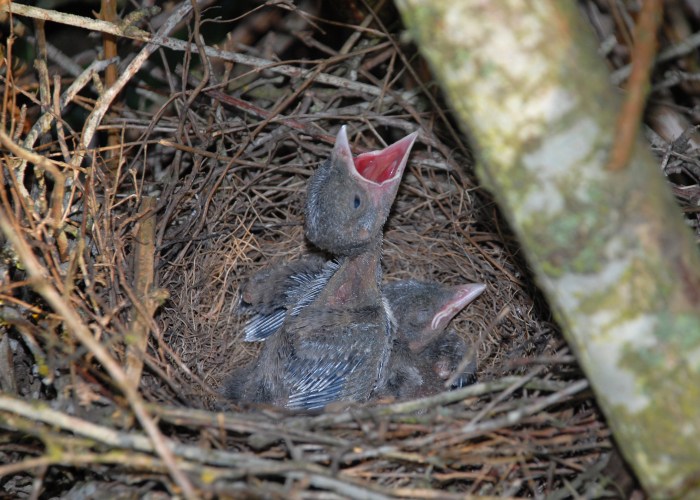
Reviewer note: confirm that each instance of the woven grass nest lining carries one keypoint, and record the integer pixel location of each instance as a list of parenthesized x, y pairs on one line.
[(423, 240), (229, 188)]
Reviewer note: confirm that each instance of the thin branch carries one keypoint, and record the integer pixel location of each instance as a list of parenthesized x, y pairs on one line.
[(630, 115), (75, 324), (179, 45)]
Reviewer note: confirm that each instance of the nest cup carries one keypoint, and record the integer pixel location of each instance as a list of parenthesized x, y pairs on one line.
[(431, 235)]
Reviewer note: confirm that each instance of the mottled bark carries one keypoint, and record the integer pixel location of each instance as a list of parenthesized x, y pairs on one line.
[(609, 248)]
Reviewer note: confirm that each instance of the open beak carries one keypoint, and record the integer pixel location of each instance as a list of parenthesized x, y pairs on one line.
[(376, 167)]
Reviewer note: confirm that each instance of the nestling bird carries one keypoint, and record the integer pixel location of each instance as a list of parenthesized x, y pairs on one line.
[(424, 354), (270, 293), (337, 346)]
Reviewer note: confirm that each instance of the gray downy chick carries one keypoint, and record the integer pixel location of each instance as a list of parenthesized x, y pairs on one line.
[(337, 346), (426, 352)]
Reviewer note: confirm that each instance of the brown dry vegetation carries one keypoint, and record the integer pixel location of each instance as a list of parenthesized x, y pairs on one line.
[(217, 156)]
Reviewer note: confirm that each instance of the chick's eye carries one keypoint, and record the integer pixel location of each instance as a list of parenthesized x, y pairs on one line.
[(356, 202)]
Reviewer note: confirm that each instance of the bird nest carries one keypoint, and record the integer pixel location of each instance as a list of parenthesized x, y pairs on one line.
[(128, 234)]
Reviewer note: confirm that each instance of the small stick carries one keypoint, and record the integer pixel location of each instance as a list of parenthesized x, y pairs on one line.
[(179, 45), (144, 256), (77, 327), (632, 108)]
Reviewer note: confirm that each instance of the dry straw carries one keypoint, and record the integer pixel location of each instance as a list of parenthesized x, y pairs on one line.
[(132, 209)]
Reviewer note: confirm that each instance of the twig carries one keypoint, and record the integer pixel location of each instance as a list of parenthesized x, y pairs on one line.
[(109, 45), (43, 124), (26, 155), (426, 403), (515, 416), (240, 423), (104, 101), (504, 395), (687, 46), (630, 115), (237, 465), (179, 45), (75, 324), (269, 116), (144, 258)]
